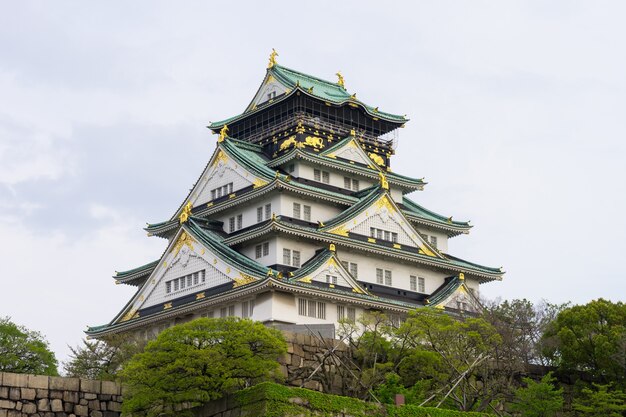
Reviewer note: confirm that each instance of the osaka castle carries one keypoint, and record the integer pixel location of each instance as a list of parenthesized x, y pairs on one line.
[(299, 219)]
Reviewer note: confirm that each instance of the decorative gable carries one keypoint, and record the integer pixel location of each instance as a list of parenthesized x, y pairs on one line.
[(222, 176), (382, 220), (352, 151), (268, 91), (333, 273), (186, 268)]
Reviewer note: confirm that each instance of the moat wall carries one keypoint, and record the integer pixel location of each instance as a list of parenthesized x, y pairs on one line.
[(23, 395)]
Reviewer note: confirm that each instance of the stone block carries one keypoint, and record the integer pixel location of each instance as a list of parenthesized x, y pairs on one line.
[(94, 405), (4, 392), (110, 414), (9, 405), (38, 381), (15, 394), (68, 407), (297, 350), (289, 347), (28, 393), (29, 408), (106, 397), (56, 405), (70, 396), (15, 380), (110, 387), (90, 396), (83, 401), (81, 410), (88, 385), (48, 414), (114, 406), (14, 413), (95, 413), (3, 413), (56, 394), (41, 393), (18, 405), (64, 384), (43, 405)]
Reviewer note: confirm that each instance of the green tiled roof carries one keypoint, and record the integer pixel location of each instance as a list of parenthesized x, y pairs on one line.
[(134, 274), (345, 215), (322, 89), (414, 208), (444, 291)]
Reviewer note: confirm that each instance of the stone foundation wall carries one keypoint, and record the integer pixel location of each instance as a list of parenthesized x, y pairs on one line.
[(23, 395)]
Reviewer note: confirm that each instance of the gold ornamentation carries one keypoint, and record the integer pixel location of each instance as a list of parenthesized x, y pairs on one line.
[(300, 127), (397, 246), (450, 219), (377, 158), (331, 262), (352, 132), (223, 134), (269, 79), (375, 109), (270, 273), (258, 183), (383, 181), (332, 247), (340, 80), (462, 276), (341, 231), (141, 297), (228, 270), (371, 240), (220, 157), (288, 143), (167, 306), (320, 223), (386, 203), (200, 296), (306, 280), (243, 280), (132, 314), (273, 56), (183, 240), (314, 142), (353, 96), (184, 215), (310, 89)]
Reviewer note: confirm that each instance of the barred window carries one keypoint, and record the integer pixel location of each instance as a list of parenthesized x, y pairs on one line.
[(347, 183), (245, 309), (355, 185), (433, 241), (296, 210), (223, 312), (351, 314), (266, 248), (317, 175), (231, 311), (295, 260), (259, 214), (379, 276), (268, 211), (354, 270), (231, 225), (168, 287), (239, 221), (307, 213), (421, 284), (258, 251), (286, 256), (321, 310), (325, 177), (413, 283), (311, 308), (387, 277), (331, 279), (301, 307), (341, 312)]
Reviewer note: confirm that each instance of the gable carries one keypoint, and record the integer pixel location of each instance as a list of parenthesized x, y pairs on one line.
[(219, 174), (187, 267), (463, 300), (384, 218), (352, 151), (268, 91), (333, 273)]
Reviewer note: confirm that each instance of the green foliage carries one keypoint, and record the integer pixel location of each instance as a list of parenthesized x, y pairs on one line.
[(601, 402), (591, 338), (24, 351), (102, 359), (538, 399), (281, 401), (199, 361)]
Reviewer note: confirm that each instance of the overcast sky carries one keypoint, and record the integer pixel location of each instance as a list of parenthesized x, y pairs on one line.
[(518, 121)]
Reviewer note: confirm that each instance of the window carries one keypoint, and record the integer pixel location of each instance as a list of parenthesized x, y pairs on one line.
[(221, 191), (383, 276), (223, 312), (413, 283), (245, 309), (239, 221), (307, 213), (272, 95), (268, 211), (262, 249), (286, 256), (231, 225), (331, 279), (421, 284), (311, 308), (259, 214), (266, 248), (231, 311), (295, 260), (341, 313), (433, 241), (384, 235), (394, 237), (183, 282), (296, 210), (355, 185), (291, 168), (325, 177), (351, 314), (351, 267), (350, 183), (317, 175)]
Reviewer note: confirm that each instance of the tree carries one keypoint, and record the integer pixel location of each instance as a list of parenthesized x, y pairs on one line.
[(102, 359), (538, 399), (591, 338), (600, 402), (193, 363), (24, 351)]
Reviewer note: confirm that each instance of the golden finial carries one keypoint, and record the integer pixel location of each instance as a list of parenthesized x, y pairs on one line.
[(270, 273), (273, 56), (184, 216), (223, 133), (273, 217), (353, 96), (450, 219), (340, 80), (332, 247), (320, 223), (352, 132), (311, 89), (462, 276), (383, 181), (280, 275), (375, 109)]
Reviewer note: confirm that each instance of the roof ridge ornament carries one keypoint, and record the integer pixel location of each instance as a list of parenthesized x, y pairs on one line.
[(273, 56), (340, 80), (184, 215), (223, 134), (383, 181)]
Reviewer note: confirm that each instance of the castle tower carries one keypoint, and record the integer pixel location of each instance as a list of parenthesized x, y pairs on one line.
[(298, 218)]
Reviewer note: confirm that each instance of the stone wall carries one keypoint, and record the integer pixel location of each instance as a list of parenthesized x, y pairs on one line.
[(24, 395)]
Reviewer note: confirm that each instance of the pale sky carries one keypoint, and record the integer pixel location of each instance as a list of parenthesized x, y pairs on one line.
[(518, 121)]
